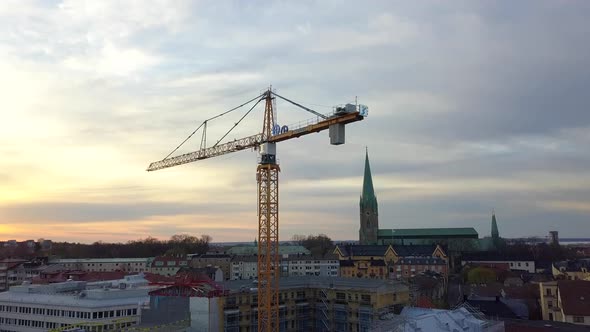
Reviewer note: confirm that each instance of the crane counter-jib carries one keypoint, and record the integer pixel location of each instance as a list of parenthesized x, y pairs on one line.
[(317, 127)]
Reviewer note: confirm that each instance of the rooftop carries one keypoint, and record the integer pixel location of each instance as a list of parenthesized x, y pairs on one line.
[(575, 297), (488, 256), (428, 232), (101, 260), (363, 250), (253, 250), (372, 285), (575, 265), (424, 319), (80, 294)]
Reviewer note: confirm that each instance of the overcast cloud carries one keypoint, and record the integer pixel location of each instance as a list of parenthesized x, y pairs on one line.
[(474, 106)]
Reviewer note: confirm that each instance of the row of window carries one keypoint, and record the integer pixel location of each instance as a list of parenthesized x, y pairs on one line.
[(171, 263), (100, 264), (53, 325), (68, 313)]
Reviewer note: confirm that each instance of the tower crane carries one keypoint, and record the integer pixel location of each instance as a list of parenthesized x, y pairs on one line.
[(267, 176)]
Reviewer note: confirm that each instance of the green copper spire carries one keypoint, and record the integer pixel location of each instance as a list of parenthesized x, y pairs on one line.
[(368, 198), (495, 233)]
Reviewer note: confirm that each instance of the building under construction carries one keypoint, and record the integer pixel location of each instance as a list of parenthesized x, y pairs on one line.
[(305, 304)]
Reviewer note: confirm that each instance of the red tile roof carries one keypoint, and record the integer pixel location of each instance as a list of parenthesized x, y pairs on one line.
[(424, 302), (575, 297)]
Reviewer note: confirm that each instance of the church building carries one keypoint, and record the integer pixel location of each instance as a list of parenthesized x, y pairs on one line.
[(454, 239)]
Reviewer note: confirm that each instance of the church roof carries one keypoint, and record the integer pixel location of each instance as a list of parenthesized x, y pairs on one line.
[(368, 198), (427, 232), (414, 250), (364, 250)]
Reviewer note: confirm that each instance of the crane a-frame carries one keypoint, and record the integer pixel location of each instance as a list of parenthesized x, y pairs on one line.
[(267, 175)]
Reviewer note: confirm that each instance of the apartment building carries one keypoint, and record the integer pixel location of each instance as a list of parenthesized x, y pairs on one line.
[(577, 269), (566, 301), (11, 273), (246, 267), (216, 260), (307, 265), (168, 265), (93, 306), (494, 260), (105, 264), (389, 261), (313, 303)]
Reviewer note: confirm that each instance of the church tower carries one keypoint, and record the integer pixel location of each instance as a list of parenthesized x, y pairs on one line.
[(368, 209)]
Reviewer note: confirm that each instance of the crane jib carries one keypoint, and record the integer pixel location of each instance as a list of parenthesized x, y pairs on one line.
[(252, 142)]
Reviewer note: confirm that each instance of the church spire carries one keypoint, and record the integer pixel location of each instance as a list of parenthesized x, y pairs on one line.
[(368, 198), (495, 233), (369, 223)]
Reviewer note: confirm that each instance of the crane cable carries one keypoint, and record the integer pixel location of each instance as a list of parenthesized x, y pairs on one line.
[(215, 117), (237, 123)]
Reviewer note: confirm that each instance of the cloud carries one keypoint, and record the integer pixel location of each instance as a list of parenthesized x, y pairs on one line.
[(472, 106)]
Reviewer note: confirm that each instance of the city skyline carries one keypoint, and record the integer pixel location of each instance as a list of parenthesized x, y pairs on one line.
[(472, 107)]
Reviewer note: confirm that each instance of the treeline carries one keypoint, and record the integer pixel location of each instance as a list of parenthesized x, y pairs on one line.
[(180, 244), (319, 245)]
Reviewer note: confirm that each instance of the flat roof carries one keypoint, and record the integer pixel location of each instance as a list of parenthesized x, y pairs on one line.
[(340, 283), (75, 301)]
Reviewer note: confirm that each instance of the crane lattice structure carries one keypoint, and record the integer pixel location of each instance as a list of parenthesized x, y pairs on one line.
[(267, 175)]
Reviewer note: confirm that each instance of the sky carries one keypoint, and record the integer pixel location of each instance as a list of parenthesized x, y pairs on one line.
[(474, 106)]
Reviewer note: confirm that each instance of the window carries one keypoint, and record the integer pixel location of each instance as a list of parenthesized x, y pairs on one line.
[(550, 304), (578, 319), (550, 316), (549, 291), (340, 296)]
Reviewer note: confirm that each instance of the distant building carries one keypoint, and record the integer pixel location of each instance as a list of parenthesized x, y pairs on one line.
[(577, 269), (311, 304), (456, 240), (566, 301), (252, 249), (246, 267), (213, 273), (168, 265), (554, 237), (218, 260), (500, 261), (96, 307), (307, 265), (12, 272), (390, 262), (105, 264)]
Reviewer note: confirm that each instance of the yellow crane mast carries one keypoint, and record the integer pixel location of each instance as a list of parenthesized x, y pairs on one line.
[(267, 176)]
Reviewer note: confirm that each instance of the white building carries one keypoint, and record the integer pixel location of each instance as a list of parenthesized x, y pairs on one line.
[(105, 264), (308, 266), (246, 267), (94, 306)]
